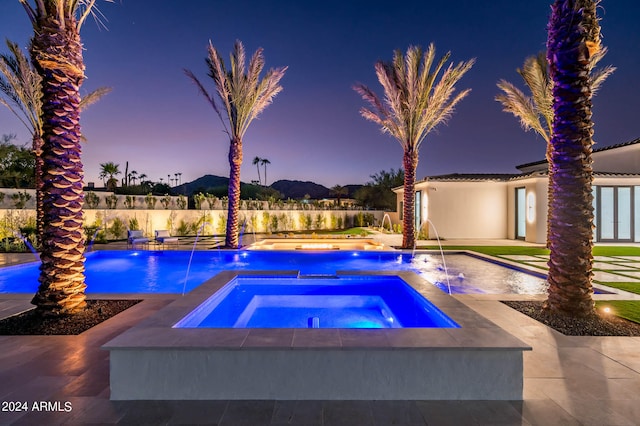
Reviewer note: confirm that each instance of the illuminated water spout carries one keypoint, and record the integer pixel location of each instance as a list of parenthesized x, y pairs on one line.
[(186, 277), (386, 216), (27, 243), (444, 262)]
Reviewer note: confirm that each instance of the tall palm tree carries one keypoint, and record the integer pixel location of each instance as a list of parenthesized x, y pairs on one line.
[(56, 53), (256, 162), (243, 96), (20, 92), (339, 191), (414, 104), (108, 173), (535, 110), (573, 37), (265, 162)]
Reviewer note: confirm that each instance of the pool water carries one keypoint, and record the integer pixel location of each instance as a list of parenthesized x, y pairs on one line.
[(165, 271), (339, 302)]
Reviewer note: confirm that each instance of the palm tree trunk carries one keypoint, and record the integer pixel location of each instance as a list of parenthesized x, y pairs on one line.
[(265, 174), (571, 210), (233, 223), (37, 150), (57, 54), (410, 163)]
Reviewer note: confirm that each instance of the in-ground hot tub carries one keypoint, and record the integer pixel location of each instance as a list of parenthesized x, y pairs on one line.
[(156, 361), (316, 302)]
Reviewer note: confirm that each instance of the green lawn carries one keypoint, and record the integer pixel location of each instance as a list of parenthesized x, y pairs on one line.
[(629, 309)]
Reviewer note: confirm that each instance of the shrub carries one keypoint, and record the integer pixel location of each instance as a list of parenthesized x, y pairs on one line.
[(92, 200), (133, 224), (222, 224), (198, 199), (211, 200), (20, 199), (117, 229), (166, 201), (182, 202), (186, 228), (129, 202), (151, 201), (112, 201)]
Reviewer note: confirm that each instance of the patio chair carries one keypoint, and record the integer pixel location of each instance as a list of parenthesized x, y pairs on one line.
[(164, 237), (136, 237)]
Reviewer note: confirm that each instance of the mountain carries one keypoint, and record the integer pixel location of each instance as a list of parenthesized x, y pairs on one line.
[(294, 189), (297, 189), (202, 184)]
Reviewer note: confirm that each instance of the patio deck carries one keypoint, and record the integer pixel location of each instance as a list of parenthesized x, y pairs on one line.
[(567, 380)]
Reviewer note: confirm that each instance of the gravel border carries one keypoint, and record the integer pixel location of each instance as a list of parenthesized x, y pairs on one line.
[(31, 323), (593, 325)]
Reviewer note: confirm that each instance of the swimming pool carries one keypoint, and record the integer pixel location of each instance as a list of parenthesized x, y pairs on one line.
[(341, 302), (165, 271)]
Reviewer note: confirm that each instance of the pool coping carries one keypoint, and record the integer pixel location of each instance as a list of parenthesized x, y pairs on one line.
[(475, 331), (154, 361)]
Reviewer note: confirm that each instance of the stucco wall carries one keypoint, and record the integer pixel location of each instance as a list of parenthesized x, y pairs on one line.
[(468, 209)]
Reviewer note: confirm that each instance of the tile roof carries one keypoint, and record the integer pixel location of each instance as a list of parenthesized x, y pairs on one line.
[(604, 148)]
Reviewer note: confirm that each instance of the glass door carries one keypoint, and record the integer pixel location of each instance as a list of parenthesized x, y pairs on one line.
[(521, 214), (614, 215)]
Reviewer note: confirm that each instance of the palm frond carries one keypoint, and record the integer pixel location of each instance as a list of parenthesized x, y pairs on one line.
[(513, 100), (93, 97), (413, 104), (21, 86), (207, 96), (242, 92)]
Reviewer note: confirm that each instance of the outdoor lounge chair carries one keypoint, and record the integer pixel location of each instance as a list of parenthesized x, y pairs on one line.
[(164, 237), (136, 237)]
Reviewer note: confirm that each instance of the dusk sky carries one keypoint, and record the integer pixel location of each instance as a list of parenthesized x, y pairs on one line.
[(156, 119)]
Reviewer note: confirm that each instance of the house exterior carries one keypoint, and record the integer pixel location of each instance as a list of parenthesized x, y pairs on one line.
[(514, 206)]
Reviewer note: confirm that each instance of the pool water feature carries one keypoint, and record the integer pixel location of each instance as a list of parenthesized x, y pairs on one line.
[(164, 271), (337, 302), (154, 360)]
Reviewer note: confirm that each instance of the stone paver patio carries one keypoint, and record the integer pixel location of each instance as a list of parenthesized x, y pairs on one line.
[(567, 380)]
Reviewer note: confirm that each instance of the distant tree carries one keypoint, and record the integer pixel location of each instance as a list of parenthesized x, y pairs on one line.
[(338, 192), (414, 104), (108, 173), (378, 193), (243, 96), (20, 93), (264, 162), (17, 165), (256, 162)]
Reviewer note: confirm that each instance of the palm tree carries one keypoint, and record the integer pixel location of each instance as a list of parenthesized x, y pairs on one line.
[(414, 104), (243, 96), (573, 37), (21, 86), (535, 111), (264, 162), (108, 173), (56, 53), (256, 162), (339, 191)]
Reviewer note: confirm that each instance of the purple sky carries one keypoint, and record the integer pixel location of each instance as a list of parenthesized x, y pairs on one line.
[(156, 119)]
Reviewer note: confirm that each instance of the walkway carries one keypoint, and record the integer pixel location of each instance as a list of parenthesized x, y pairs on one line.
[(568, 380)]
